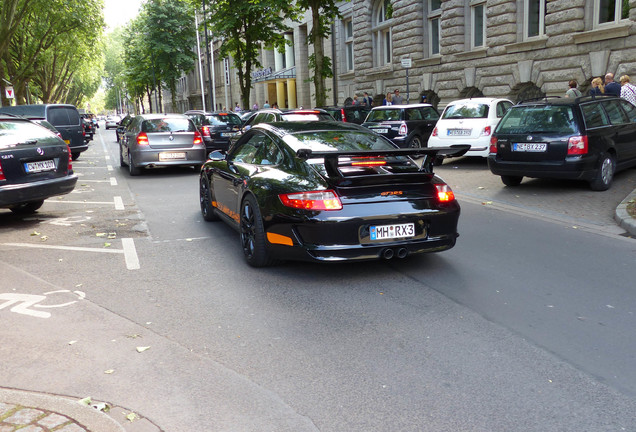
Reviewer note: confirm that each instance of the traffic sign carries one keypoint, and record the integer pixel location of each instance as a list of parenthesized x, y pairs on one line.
[(10, 94), (406, 63)]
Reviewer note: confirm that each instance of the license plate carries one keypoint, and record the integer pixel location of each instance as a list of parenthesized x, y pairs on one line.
[(33, 167), (228, 134), (172, 156), (384, 232), (459, 132), (529, 147), (381, 131)]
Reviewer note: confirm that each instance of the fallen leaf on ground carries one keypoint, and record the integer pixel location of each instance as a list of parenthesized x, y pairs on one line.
[(106, 244), (142, 349), (109, 371), (132, 417), (100, 235), (35, 233)]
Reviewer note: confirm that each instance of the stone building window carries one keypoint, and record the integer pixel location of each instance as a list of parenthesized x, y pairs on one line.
[(434, 18), (478, 21), (382, 38), (348, 41), (610, 11), (534, 11)]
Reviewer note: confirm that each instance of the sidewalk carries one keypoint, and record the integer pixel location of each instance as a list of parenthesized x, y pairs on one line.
[(623, 218), (37, 412)]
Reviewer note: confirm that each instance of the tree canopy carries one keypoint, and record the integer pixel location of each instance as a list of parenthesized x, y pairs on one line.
[(246, 25), (50, 49)]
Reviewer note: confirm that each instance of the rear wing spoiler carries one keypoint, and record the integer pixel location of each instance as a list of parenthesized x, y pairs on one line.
[(331, 157)]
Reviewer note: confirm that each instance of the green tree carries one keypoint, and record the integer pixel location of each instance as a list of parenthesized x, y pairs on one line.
[(168, 30), (323, 13), (54, 41), (246, 25)]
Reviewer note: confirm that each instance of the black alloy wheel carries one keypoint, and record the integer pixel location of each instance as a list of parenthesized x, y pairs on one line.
[(205, 200), (415, 142), (253, 234)]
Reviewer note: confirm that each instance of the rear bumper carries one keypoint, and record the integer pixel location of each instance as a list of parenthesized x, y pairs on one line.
[(481, 149), (575, 168), (36, 191), (148, 158), (344, 235)]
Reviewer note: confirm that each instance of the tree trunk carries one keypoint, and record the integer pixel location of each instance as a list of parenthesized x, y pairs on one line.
[(319, 56)]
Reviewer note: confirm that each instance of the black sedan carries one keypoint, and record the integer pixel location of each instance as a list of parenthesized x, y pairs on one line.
[(35, 164), (327, 191)]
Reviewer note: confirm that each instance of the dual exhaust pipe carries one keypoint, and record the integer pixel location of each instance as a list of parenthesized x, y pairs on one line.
[(389, 253)]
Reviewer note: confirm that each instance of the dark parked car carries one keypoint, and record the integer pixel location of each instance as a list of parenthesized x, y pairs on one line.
[(271, 115), (121, 126), (328, 191), (216, 128), (35, 164), (587, 138), (349, 113), (65, 118), (160, 140), (89, 127), (405, 125)]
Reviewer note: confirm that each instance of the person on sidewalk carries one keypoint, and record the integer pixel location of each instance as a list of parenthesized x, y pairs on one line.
[(573, 92), (612, 88), (397, 99), (628, 91)]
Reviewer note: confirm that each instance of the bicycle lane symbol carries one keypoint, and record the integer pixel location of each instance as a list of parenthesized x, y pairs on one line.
[(24, 302)]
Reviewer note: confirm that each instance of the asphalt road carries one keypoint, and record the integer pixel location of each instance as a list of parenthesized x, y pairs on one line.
[(526, 325)]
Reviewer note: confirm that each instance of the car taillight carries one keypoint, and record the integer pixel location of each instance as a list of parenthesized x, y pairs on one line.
[(486, 131), (367, 161), (142, 139), (342, 114), (444, 193), (434, 133), (70, 159), (493, 144), (577, 145), (197, 138), (206, 130), (314, 200), (403, 129), (2, 177)]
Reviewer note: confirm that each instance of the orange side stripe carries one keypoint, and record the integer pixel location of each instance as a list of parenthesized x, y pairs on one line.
[(279, 239)]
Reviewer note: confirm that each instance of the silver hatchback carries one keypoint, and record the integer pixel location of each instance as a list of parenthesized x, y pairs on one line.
[(160, 140)]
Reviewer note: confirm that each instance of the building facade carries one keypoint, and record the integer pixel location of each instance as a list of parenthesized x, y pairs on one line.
[(449, 49)]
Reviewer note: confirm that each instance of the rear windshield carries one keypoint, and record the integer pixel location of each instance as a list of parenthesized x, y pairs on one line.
[(306, 116), (466, 110), (63, 116), (223, 119), (555, 119), (18, 132), (384, 115), (338, 141), (168, 125)]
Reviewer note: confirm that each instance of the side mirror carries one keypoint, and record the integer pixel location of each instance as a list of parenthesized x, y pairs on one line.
[(216, 155)]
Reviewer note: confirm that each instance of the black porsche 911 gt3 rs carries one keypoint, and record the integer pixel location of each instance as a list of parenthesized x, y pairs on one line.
[(325, 191)]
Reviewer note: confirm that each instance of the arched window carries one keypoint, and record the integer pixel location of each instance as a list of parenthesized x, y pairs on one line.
[(381, 27)]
